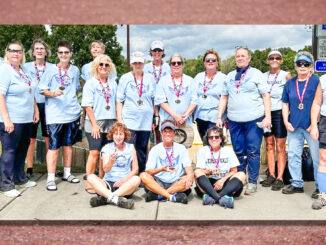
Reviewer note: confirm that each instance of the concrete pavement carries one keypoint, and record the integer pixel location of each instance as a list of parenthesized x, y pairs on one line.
[(71, 202)]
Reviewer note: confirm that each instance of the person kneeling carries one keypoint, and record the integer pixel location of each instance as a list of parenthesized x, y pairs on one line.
[(217, 179), (120, 166), (167, 163)]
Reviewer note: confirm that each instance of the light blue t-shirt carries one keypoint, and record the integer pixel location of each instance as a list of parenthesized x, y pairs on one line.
[(135, 116), (207, 108), (247, 105), (122, 164), (18, 96), (64, 108), (322, 81), (30, 68), (276, 89), (166, 70), (165, 93), (93, 96), (86, 72), (158, 158), (1, 60), (226, 156)]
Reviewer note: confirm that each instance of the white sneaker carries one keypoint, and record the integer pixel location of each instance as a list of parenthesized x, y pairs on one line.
[(29, 184), (12, 193)]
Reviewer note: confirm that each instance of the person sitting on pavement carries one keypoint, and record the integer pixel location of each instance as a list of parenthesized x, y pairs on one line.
[(217, 178), (167, 164), (120, 166)]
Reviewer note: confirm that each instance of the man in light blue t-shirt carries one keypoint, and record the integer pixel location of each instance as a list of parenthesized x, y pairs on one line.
[(169, 173)]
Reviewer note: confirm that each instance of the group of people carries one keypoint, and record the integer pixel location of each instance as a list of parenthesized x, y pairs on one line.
[(118, 119)]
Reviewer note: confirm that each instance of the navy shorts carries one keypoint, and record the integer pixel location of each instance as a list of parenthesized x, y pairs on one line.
[(278, 127), (63, 134), (109, 185), (96, 144), (41, 109), (322, 132)]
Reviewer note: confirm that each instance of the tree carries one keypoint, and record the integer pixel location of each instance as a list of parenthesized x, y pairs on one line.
[(23, 33)]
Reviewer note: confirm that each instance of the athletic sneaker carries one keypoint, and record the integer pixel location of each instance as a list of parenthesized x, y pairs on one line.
[(151, 196), (208, 200), (269, 181), (314, 195), (251, 188), (292, 189), (320, 202), (226, 202), (277, 185), (98, 201), (180, 197), (12, 193), (29, 184), (125, 203)]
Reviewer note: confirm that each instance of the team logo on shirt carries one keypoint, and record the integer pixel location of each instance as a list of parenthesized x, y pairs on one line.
[(166, 162), (66, 80), (99, 92), (212, 86), (134, 88), (184, 90), (120, 161)]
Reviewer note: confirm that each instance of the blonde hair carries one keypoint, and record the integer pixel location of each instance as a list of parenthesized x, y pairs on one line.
[(5, 58), (97, 62), (99, 43)]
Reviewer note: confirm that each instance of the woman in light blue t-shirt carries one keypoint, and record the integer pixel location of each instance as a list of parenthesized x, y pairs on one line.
[(120, 166)]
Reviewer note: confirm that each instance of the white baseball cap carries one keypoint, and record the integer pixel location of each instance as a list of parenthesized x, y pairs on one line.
[(274, 52), (157, 44), (137, 57)]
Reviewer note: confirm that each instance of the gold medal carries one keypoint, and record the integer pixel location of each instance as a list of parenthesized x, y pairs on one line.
[(62, 88), (107, 107), (237, 91), (178, 101), (139, 102), (300, 106), (30, 90), (204, 96)]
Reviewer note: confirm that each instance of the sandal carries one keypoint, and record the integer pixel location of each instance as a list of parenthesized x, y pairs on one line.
[(71, 179), (51, 186)]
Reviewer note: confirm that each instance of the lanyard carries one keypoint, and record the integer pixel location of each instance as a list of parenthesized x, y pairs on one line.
[(276, 75), (170, 157), (239, 83), (304, 89), (157, 78), (36, 71), (62, 78), (21, 76), (140, 90), (215, 161), (177, 93), (205, 86), (106, 94)]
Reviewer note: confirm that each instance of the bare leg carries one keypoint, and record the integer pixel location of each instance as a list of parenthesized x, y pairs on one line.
[(91, 165), (46, 140), (270, 148), (67, 156), (128, 187), (281, 157), (98, 185), (30, 153), (178, 186), (51, 160), (152, 185), (241, 176)]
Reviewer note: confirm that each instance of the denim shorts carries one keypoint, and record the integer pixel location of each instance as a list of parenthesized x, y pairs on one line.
[(278, 127), (62, 134)]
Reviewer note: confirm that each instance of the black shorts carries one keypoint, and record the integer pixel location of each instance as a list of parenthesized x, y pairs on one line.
[(167, 185), (96, 144), (213, 181), (322, 132), (278, 127), (41, 109), (109, 185)]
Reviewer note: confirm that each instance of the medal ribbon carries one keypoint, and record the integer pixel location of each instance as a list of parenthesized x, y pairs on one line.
[(106, 94), (140, 90), (62, 78), (36, 71), (304, 89), (276, 75), (205, 87), (216, 161), (170, 157), (177, 93), (239, 83), (157, 79), (21, 76)]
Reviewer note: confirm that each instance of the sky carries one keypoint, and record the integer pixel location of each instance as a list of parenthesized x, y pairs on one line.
[(193, 40)]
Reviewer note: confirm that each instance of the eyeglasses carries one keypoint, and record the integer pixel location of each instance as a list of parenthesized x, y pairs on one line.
[(210, 60), (63, 52), (274, 58), (302, 63), (214, 137), (157, 50), (176, 63), (12, 51), (104, 64), (37, 49), (241, 47)]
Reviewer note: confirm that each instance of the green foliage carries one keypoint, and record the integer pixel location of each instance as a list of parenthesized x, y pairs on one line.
[(227, 65), (193, 66)]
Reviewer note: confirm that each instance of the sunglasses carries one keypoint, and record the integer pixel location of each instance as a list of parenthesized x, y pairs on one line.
[(176, 63), (274, 58), (12, 51), (210, 60), (157, 50), (214, 137), (104, 64), (63, 52), (302, 63)]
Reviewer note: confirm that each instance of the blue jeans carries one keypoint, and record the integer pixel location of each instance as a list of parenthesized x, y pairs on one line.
[(202, 127), (140, 140), (246, 139), (295, 148), (14, 151)]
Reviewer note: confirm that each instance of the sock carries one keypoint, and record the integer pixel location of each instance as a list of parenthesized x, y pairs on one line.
[(50, 177), (66, 172), (159, 197), (29, 170), (206, 185), (321, 180), (231, 187), (172, 198), (113, 198)]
